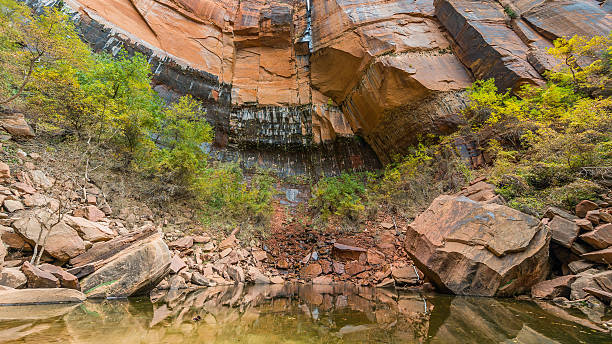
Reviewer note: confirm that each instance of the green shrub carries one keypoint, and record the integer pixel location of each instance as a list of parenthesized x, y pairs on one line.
[(341, 195), (567, 196), (225, 194)]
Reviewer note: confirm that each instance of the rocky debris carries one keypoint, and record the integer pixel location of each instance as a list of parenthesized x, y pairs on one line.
[(182, 244), (40, 296), (584, 207), (3, 253), (479, 191), (199, 279), (602, 256), (311, 270), (5, 172), (564, 231), (177, 264), (126, 266), (257, 277), (236, 273), (585, 280), (557, 287), (38, 278), (551, 212), (600, 237), (13, 278), (346, 252), (578, 266), (504, 250), (177, 282), (90, 212), (12, 205), (604, 280), (67, 280), (584, 224), (407, 275), (600, 294)]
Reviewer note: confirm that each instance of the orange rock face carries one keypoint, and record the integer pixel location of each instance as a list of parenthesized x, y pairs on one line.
[(389, 65), (293, 72)]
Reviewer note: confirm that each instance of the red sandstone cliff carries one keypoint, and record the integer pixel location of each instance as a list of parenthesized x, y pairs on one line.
[(387, 70)]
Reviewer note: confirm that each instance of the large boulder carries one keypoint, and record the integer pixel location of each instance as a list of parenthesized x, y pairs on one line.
[(126, 266), (62, 241), (16, 125), (41, 296), (89, 230), (470, 248)]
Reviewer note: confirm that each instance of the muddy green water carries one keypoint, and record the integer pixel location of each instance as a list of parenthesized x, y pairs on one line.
[(299, 314)]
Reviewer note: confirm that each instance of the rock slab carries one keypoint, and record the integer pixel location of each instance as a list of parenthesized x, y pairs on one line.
[(12, 297), (132, 271)]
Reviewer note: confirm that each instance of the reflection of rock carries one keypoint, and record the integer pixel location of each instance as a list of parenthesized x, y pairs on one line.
[(271, 314), (486, 320), (470, 248)]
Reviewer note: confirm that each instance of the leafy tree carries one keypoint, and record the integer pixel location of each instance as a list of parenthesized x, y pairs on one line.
[(30, 42), (176, 143)]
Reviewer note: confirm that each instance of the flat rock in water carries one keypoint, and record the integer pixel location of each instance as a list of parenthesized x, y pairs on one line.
[(11, 297), (405, 275), (470, 248)]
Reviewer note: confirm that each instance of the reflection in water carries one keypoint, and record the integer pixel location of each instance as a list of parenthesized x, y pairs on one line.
[(297, 314)]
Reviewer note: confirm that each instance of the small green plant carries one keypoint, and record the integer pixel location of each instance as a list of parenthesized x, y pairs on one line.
[(510, 12), (340, 195)]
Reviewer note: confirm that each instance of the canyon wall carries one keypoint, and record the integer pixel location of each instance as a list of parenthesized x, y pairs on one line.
[(294, 85)]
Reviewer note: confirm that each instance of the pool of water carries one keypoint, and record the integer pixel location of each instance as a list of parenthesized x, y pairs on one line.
[(298, 314)]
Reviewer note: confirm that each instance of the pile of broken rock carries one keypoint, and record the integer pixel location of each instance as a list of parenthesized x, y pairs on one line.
[(581, 254), (85, 254)]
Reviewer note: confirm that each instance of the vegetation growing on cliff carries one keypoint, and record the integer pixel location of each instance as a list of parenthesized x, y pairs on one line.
[(107, 105), (551, 144)]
